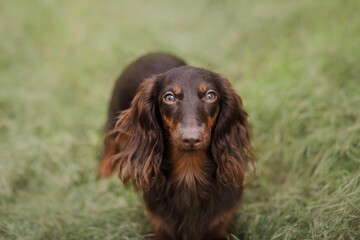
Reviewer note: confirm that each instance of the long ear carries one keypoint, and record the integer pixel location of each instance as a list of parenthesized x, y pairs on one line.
[(231, 146), (137, 139)]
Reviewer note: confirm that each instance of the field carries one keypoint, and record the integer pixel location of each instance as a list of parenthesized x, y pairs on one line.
[(296, 65)]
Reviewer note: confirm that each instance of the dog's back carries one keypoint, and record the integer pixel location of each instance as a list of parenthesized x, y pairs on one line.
[(128, 82)]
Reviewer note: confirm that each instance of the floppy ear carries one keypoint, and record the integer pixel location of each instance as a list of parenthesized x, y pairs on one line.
[(231, 146), (135, 146)]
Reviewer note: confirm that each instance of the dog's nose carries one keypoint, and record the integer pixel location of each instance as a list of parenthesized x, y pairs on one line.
[(191, 139)]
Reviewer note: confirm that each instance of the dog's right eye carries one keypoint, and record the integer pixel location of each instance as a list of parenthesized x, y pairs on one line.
[(169, 97)]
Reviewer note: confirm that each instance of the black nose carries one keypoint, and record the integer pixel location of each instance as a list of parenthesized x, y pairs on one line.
[(191, 139)]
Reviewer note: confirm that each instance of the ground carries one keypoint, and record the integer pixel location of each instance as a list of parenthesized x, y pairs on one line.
[(296, 65)]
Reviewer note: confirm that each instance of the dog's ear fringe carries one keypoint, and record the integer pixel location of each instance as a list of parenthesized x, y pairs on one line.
[(231, 146), (138, 138)]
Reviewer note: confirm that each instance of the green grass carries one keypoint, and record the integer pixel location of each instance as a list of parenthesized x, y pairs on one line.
[(296, 65)]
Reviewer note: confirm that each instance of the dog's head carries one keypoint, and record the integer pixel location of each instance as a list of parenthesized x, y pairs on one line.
[(187, 108), (189, 104)]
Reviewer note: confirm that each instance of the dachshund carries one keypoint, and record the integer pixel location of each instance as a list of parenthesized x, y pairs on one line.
[(182, 136)]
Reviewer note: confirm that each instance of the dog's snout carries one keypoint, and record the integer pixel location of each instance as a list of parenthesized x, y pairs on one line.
[(191, 138)]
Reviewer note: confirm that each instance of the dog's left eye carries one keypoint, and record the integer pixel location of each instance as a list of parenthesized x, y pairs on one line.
[(210, 96), (169, 98)]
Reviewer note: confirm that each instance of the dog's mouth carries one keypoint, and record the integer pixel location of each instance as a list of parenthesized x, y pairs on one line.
[(189, 147)]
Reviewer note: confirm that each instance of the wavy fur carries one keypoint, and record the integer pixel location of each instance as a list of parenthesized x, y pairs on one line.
[(141, 139), (231, 147)]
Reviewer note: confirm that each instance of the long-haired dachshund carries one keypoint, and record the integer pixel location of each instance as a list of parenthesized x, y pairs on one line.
[(181, 135)]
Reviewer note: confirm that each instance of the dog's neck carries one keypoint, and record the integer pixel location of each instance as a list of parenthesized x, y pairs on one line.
[(188, 167)]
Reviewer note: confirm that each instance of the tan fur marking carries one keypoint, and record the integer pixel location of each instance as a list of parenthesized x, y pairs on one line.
[(168, 122), (202, 87), (222, 222), (105, 170), (111, 147), (211, 120), (188, 167), (176, 89), (158, 223)]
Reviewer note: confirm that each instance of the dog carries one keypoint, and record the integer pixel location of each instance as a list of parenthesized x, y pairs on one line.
[(182, 136)]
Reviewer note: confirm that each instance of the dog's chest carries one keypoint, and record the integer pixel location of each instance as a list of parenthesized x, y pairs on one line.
[(181, 201), (191, 210)]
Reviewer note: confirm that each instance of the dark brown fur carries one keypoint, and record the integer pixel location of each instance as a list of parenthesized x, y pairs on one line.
[(185, 141)]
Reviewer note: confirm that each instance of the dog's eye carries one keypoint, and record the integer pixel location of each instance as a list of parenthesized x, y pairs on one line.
[(210, 96), (169, 98)]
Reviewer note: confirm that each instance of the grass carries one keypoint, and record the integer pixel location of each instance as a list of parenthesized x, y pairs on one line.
[(296, 65)]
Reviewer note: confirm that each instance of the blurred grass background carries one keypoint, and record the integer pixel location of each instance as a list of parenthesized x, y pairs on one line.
[(296, 65)]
